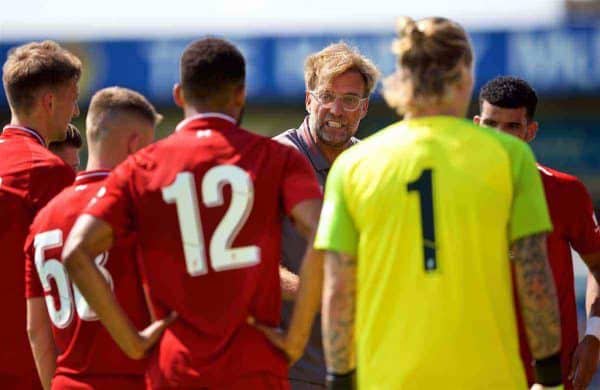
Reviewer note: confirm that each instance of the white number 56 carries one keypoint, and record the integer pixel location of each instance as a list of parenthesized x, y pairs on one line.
[(61, 312)]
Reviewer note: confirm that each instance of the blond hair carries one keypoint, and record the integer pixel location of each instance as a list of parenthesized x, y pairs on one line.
[(432, 54), (117, 100), (33, 66), (336, 59)]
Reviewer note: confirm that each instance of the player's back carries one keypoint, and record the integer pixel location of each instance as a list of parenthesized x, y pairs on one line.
[(431, 199), (29, 177), (208, 202), (86, 353)]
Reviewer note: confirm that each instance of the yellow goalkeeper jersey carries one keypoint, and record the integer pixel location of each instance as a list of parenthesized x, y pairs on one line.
[(428, 207)]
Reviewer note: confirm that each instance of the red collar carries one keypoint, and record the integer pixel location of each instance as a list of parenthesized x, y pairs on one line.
[(87, 177), (24, 131)]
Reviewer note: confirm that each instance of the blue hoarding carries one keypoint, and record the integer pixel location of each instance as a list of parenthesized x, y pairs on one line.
[(561, 61)]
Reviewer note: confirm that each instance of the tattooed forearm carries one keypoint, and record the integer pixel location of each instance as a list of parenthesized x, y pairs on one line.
[(537, 295), (339, 295)]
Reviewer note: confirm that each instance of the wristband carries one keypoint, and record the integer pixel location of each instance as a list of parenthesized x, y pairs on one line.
[(593, 327), (345, 381), (548, 371)]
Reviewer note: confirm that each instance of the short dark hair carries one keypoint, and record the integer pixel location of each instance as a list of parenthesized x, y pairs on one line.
[(209, 69), (36, 65), (509, 92), (73, 139)]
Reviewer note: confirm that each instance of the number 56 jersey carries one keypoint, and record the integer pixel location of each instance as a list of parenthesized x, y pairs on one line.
[(87, 353), (429, 207), (206, 204)]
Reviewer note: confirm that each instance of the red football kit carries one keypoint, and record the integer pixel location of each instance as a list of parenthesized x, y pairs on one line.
[(30, 175), (207, 204), (574, 222), (88, 358)]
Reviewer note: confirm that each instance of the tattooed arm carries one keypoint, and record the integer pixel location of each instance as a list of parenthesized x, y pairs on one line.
[(537, 295), (338, 308)]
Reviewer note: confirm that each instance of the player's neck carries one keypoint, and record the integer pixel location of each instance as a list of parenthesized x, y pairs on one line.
[(190, 111), (95, 163), (31, 123), (433, 111)]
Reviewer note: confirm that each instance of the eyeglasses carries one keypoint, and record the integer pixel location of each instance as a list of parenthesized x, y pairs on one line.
[(327, 99)]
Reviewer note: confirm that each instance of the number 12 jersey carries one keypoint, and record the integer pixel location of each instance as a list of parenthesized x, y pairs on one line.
[(207, 205)]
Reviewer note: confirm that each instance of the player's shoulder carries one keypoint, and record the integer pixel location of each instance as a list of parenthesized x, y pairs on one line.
[(279, 145), (61, 203), (70, 200), (41, 158), (40, 155), (44, 167), (556, 175), (560, 182)]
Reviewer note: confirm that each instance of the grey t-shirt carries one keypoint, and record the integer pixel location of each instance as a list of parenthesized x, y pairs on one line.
[(310, 369)]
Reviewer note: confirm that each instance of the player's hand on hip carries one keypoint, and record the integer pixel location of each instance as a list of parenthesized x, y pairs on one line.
[(585, 362), (279, 338), (151, 334)]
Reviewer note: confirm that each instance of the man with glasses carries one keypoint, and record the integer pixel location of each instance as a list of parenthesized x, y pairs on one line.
[(339, 81)]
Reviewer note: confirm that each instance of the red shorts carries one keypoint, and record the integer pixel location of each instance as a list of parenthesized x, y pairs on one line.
[(28, 382), (91, 382)]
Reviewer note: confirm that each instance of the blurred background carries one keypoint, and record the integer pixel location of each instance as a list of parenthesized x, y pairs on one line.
[(554, 44)]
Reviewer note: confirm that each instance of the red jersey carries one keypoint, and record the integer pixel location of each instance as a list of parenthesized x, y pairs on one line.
[(574, 222), (30, 175), (87, 353), (207, 204)]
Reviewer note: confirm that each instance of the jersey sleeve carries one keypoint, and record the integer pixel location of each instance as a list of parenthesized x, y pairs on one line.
[(47, 181), (336, 231), (529, 214), (33, 286), (113, 201), (299, 181), (584, 232)]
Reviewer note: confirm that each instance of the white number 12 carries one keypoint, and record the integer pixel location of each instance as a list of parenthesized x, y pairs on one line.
[(183, 193)]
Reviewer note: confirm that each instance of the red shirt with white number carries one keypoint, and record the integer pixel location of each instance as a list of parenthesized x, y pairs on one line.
[(207, 205), (575, 225), (86, 350), (30, 175)]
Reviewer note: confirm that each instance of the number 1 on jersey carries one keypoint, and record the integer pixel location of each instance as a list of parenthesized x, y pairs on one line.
[(183, 193), (423, 185)]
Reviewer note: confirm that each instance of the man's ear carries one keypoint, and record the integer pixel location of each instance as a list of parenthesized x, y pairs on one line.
[(133, 143), (364, 107), (178, 97), (239, 95), (477, 120), (307, 100), (532, 129), (47, 101)]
